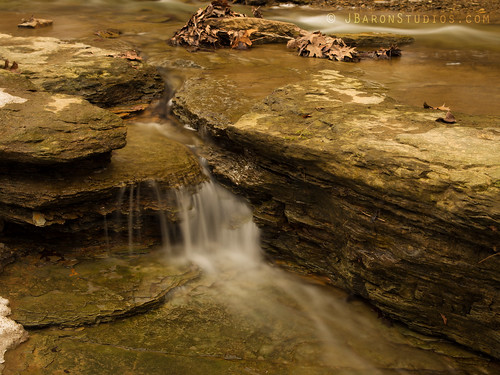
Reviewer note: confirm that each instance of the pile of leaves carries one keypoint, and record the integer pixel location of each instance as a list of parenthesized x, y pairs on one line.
[(197, 34), (316, 44)]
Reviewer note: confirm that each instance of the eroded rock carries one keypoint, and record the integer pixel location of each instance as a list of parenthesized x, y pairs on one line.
[(77, 291), (133, 183), (386, 202), (45, 129), (100, 76)]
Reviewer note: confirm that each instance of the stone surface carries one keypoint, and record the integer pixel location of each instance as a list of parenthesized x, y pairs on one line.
[(46, 129), (385, 201), (132, 184), (79, 290), (100, 76), (212, 327)]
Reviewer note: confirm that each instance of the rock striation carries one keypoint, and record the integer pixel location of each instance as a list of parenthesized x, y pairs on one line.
[(379, 197)]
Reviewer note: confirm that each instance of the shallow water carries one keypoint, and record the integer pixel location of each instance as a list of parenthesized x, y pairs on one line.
[(453, 63)]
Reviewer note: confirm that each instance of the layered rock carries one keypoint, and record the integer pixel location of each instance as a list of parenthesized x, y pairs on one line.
[(379, 197), (45, 129), (103, 77)]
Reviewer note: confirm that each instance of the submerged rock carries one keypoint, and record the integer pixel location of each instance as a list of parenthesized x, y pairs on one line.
[(371, 39), (386, 202), (75, 291), (102, 77), (216, 328), (46, 129)]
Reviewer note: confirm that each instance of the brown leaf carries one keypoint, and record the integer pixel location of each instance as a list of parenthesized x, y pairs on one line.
[(14, 67), (241, 39), (131, 55), (6, 65), (445, 320), (448, 119)]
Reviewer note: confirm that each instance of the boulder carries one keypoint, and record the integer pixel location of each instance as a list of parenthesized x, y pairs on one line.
[(386, 202), (103, 77), (47, 129)]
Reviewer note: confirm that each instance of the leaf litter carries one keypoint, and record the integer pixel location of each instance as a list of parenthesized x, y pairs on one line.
[(197, 34)]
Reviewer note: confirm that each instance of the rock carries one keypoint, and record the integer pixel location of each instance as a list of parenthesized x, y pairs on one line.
[(77, 290), (45, 129), (207, 328), (99, 76), (11, 333), (372, 39), (267, 31), (386, 202), (34, 23), (130, 187)]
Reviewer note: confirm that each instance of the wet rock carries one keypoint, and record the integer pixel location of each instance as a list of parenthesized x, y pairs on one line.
[(99, 76), (130, 189), (267, 31), (77, 291), (209, 329), (46, 129), (375, 40), (377, 196)]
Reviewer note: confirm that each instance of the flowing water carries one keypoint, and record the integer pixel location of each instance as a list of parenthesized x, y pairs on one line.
[(261, 313)]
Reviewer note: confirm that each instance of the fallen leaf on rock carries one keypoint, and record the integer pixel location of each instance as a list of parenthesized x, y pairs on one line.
[(441, 107), (33, 23), (241, 39), (448, 119), (445, 320), (73, 273), (316, 44)]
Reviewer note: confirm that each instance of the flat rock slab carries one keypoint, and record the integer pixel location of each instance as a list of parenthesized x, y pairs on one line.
[(387, 202), (215, 328), (149, 158), (103, 77), (46, 129), (74, 292)]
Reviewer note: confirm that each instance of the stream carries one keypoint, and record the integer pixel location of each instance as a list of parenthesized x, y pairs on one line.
[(226, 309)]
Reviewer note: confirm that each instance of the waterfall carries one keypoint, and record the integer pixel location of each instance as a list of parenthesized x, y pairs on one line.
[(217, 227)]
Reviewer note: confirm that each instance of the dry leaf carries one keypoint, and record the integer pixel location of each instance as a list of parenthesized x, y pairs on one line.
[(256, 12), (448, 119), (241, 39), (445, 320)]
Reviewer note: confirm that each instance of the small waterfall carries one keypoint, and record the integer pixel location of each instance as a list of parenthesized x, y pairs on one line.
[(217, 227)]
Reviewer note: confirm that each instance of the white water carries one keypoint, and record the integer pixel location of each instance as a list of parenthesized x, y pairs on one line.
[(219, 236)]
